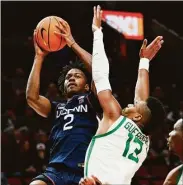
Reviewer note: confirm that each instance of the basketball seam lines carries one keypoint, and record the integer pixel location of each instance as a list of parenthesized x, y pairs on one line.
[(61, 36), (49, 34)]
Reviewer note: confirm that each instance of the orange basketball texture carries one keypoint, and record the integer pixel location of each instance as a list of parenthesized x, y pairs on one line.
[(45, 36)]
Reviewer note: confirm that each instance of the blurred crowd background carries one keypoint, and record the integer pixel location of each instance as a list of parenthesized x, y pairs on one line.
[(24, 134)]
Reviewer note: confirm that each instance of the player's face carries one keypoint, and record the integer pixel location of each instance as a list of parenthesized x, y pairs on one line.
[(136, 111), (75, 82), (175, 140), (132, 112)]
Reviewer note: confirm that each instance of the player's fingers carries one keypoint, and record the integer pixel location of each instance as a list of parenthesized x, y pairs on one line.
[(34, 35), (159, 45), (98, 11), (81, 181), (94, 11), (64, 24), (144, 44), (34, 38), (161, 42), (101, 15), (96, 179), (156, 40), (60, 28), (67, 27), (58, 33)]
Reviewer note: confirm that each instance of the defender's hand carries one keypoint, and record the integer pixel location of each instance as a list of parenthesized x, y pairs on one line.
[(38, 51), (90, 181), (65, 32), (97, 18), (152, 49)]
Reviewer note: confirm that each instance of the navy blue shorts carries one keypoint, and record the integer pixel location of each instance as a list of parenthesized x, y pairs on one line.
[(53, 176)]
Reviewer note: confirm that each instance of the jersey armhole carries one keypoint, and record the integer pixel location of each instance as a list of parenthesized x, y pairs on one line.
[(54, 105), (180, 172)]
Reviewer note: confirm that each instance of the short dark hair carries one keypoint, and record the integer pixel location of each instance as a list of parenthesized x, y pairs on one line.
[(73, 65), (157, 119)]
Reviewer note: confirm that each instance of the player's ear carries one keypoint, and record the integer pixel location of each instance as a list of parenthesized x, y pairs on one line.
[(87, 88), (137, 117)]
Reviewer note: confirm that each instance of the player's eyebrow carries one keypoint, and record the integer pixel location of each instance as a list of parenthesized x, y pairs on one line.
[(74, 73)]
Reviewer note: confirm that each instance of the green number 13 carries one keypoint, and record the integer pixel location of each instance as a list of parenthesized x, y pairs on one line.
[(133, 156)]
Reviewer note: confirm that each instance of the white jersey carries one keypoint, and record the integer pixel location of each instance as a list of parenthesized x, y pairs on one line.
[(115, 156), (180, 177)]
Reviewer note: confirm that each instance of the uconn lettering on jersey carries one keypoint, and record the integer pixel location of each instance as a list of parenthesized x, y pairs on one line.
[(63, 111)]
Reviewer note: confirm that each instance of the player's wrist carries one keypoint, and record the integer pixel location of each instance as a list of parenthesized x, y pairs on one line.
[(144, 64), (39, 58), (96, 28), (98, 34), (70, 41)]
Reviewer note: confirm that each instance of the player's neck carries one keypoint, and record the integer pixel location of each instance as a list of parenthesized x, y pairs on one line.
[(140, 125), (74, 94)]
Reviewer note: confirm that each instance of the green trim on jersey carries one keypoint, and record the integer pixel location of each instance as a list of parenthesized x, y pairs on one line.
[(88, 157), (111, 131), (180, 174), (93, 142)]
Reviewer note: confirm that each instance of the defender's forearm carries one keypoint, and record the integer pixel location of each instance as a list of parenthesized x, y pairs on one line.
[(142, 85)]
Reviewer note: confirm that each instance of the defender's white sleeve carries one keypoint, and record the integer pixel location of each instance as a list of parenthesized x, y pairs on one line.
[(100, 64)]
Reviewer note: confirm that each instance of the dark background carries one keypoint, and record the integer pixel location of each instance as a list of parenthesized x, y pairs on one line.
[(19, 19)]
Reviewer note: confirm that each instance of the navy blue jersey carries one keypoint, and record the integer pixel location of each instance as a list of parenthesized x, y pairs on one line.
[(74, 124)]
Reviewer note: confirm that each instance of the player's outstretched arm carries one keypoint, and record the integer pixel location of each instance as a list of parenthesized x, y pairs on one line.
[(39, 103), (65, 32), (100, 71), (147, 53)]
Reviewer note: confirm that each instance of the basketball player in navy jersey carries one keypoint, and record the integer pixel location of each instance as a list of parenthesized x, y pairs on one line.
[(74, 120)]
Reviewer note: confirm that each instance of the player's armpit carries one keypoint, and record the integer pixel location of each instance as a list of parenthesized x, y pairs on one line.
[(94, 103), (42, 106), (111, 107)]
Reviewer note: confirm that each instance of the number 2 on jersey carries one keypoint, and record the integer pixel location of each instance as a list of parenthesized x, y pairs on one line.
[(70, 118), (136, 152)]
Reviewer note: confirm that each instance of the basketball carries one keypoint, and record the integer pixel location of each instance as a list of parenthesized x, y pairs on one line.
[(45, 37)]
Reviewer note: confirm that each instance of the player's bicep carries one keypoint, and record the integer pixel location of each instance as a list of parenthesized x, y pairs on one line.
[(111, 107), (42, 106), (168, 181), (171, 178)]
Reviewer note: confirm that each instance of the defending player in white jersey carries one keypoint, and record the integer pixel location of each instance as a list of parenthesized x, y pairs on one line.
[(175, 142), (121, 143)]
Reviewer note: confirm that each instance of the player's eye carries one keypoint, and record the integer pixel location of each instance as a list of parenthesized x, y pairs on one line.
[(77, 76), (67, 77)]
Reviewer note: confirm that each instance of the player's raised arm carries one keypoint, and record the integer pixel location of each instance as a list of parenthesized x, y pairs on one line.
[(146, 55), (84, 56), (100, 71), (39, 103)]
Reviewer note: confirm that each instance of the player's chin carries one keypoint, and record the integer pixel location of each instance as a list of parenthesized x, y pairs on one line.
[(170, 147), (124, 112), (73, 90)]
